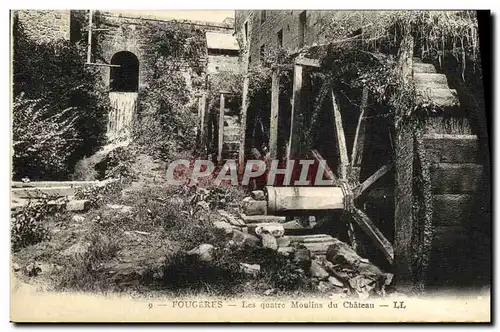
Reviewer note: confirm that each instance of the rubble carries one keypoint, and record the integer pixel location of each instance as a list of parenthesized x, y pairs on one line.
[(78, 205), (250, 269), (258, 195), (78, 218), (120, 208), (79, 248), (224, 226), (205, 252), (269, 241), (32, 270), (317, 271), (245, 239)]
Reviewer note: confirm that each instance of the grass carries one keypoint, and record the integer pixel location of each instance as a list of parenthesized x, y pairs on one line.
[(84, 272), (145, 250)]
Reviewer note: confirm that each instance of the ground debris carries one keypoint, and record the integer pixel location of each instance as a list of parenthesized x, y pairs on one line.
[(362, 277)]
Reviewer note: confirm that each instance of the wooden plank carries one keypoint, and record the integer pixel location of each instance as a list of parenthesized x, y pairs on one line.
[(359, 190), (296, 128), (318, 248), (456, 178), (308, 62), (339, 133), (221, 127), (380, 241), (273, 131), (445, 148), (359, 139), (201, 111), (452, 209), (328, 171), (403, 179)]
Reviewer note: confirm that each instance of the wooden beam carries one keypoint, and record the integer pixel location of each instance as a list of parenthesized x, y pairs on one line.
[(359, 139), (339, 133), (89, 42), (296, 123), (273, 126), (308, 62), (359, 190), (328, 171), (221, 127), (380, 241), (244, 106), (201, 110), (403, 179)]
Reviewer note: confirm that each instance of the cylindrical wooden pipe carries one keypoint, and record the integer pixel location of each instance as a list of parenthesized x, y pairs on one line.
[(286, 199)]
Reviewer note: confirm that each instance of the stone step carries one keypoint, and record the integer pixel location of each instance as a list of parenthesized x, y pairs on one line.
[(423, 68), (70, 204), (231, 146), (234, 130), (261, 219), (318, 248), (252, 207), (292, 227), (449, 249), (455, 178), (41, 191), (444, 97), (231, 137), (430, 78), (452, 209), (43, 184), (312, 238), (447, 148)]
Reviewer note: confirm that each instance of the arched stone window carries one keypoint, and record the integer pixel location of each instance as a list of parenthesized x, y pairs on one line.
[(126, 77)]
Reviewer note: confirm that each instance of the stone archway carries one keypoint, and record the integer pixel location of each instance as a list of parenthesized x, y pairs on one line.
[(126, 77), (123, 95)]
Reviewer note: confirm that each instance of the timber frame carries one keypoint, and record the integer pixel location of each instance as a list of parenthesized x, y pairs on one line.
[(395, 253)]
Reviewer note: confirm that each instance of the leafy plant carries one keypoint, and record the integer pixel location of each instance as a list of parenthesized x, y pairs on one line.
[(27, 224), (60, 109), (167, 124)]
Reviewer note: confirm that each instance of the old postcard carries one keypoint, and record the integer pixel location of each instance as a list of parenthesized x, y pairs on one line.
[(250, 166)]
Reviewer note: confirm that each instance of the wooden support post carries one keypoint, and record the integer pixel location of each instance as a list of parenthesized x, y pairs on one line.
[(296, 123), (89, 46), (273, 131), (341, 145), (201, 110), (221, 127), (403, 180), (359, 139)]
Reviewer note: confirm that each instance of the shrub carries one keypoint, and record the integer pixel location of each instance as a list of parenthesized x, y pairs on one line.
[(27, 226), (98, 194), (59, 102), (42, 141), (166, 122)]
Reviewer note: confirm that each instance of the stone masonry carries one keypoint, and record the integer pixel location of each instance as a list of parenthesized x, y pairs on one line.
[(45, 25)]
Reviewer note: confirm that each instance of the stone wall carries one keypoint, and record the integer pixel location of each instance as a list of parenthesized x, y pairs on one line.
[(125, 34), (317, 27), (218, 63), (45, 25)]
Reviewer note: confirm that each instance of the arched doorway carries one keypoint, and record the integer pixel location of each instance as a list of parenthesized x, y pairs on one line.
[(126, 77)]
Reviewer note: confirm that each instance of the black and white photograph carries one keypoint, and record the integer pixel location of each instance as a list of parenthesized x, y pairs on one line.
[(250, 165)]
